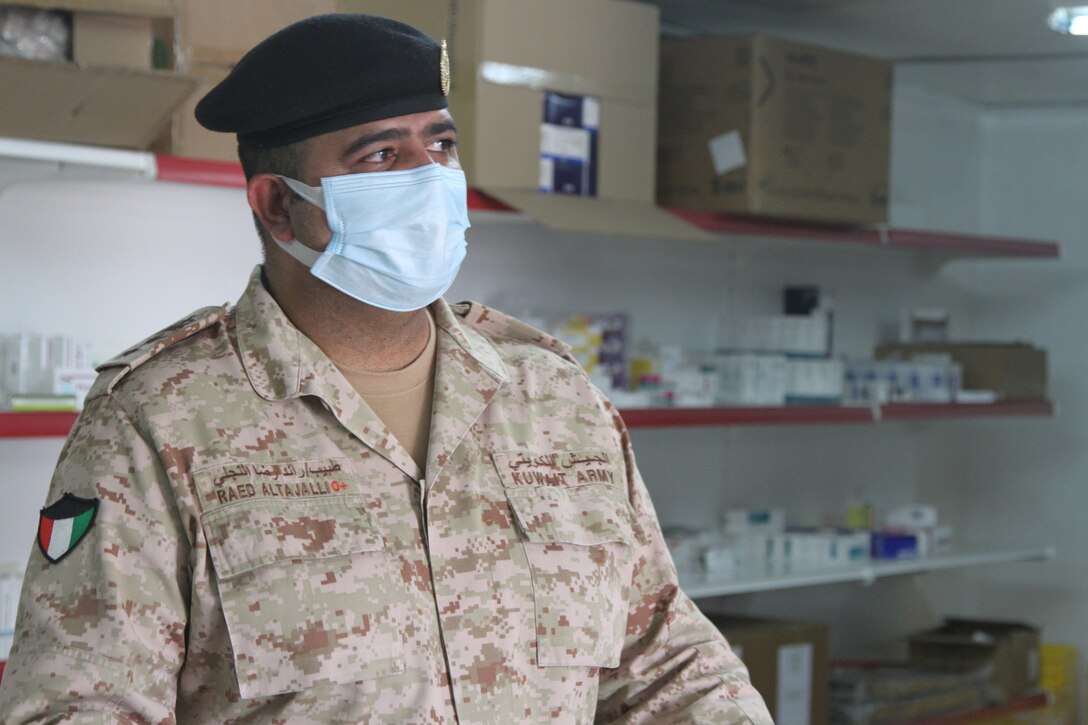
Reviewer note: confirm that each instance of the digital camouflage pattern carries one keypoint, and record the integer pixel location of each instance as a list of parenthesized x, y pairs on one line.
[(266, 552)]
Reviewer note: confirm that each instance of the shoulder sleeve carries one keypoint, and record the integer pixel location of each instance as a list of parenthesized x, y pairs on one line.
[(675, 666), (100, 634), (114, 370), (493, 323)]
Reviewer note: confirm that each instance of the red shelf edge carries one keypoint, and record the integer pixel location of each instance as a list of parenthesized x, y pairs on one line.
[(57, 425), (971, 244), (36, 425), (929, 411), (684, 417), (199, 171), (223, 173), (737, 224), (1024, 703)]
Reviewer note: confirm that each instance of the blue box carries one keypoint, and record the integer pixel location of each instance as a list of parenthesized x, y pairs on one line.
[(568, 144), (894, 545)]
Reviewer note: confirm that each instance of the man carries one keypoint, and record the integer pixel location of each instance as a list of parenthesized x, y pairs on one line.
[(342, 499)]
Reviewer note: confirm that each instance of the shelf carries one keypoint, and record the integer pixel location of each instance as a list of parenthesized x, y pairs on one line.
[(44, 425), (1022, 704), (930, 411), (828, 414), (875, 237), (35, 425), (695, 417), (700, 587), (57, 159)]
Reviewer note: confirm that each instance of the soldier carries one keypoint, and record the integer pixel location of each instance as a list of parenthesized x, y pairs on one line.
[(343, 499)]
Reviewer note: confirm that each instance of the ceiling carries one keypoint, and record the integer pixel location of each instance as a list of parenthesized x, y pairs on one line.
[(994, 52)]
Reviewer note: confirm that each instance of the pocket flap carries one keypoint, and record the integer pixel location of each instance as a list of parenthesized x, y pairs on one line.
[(582, 515), (255, 533)]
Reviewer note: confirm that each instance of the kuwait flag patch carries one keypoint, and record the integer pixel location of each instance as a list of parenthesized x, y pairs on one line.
[(64, 524)]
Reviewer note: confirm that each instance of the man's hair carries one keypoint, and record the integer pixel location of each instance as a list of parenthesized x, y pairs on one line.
[(286, 160)]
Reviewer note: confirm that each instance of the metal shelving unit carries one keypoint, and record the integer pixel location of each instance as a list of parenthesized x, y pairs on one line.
[(41, 159), (761, 581)]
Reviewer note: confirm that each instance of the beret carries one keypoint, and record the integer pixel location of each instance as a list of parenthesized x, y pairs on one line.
[(326, 73)]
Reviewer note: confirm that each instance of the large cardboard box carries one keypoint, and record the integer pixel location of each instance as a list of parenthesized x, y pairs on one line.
[(109, 95), (787, 662), (1007, 651), (767, 126), (1015, 371)]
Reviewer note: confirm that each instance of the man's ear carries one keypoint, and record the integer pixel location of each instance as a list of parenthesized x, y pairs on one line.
[(268, 197)]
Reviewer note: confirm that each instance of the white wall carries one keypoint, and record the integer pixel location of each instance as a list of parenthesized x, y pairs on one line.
[(1030, 481), (113, 262)]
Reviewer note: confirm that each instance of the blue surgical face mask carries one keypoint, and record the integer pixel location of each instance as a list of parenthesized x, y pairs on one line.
[(398, 237)]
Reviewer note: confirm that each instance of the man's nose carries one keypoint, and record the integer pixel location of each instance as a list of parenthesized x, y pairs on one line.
[(415, 155)]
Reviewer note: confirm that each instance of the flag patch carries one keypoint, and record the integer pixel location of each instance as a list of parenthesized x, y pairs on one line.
[(64, 524)]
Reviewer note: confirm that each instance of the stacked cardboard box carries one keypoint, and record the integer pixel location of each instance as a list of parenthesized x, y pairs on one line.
[(111, 93), (508, 57)]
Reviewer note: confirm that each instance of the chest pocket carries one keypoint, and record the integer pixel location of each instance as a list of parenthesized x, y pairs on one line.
[(308, 593), (572, 513)]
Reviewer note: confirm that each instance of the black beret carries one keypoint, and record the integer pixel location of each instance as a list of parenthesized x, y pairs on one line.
[(323, 74)]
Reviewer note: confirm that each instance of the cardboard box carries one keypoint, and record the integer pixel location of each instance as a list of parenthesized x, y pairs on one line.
[(149, 8), (1014, 371), (109, 95), (1007, 651), (109, 106), (787, 663), (189, 138), (766, 126), (105, 39)]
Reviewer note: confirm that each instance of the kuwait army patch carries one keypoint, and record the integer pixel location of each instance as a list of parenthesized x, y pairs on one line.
[(64, 524)]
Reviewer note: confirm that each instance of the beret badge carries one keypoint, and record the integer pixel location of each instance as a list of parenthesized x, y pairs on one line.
[(444, 69)]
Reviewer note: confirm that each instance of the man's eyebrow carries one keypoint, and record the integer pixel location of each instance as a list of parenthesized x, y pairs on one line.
[(389, 134), (441, 127)]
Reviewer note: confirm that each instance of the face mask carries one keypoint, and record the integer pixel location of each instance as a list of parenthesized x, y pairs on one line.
[(398, 237)]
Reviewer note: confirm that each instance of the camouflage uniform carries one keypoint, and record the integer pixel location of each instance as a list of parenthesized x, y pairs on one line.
[(266, 552)]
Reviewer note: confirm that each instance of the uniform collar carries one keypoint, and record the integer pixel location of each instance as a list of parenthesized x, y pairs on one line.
[(282, 363)]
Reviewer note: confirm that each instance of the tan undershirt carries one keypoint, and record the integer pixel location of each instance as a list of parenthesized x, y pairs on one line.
[(402, 398)]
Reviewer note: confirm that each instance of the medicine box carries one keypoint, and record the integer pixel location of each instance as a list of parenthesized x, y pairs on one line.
[(751, 379), (894, 545), (568, 144)]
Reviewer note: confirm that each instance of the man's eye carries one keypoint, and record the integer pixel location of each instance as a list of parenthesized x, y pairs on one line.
[(444, 145), (379, 156)]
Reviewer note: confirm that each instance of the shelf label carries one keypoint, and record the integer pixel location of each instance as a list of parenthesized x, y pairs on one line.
[(794, 703), (727, 152)]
